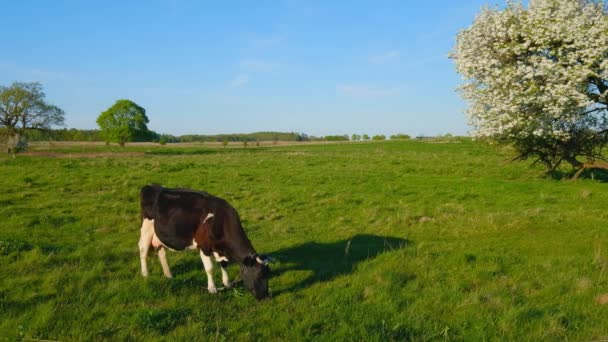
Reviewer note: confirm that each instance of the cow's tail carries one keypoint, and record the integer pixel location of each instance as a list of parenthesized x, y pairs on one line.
[(147, 198)]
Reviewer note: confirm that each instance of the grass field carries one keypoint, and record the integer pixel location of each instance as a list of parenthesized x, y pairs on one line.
[(374, 241)]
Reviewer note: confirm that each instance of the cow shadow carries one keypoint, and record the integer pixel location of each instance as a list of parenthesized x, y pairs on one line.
[(324, 262), (330, 260)]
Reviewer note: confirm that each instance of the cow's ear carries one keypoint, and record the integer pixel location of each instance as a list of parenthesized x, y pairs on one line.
[(264, 259), (208, 217)]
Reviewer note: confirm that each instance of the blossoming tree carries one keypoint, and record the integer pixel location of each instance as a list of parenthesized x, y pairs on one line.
[(536, 77)]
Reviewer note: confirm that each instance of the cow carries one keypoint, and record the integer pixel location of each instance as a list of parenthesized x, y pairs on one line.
[(180, 219)]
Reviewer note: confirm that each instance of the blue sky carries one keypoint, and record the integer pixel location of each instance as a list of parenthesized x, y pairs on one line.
[(206, 67)]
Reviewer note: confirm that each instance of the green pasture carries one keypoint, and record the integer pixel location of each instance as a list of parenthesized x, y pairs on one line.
[(410, 240)]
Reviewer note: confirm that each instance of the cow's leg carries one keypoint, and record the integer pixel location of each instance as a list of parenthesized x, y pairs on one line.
[(225, 278), (162, 256), (145, 240), (209, 270)]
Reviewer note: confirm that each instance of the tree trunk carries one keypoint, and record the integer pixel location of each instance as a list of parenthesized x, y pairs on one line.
[(4, 143), (14, 142)]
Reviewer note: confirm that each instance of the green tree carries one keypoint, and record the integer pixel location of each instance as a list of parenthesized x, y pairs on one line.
[(379, 137), (365, 137), (355, 137), (123, 122), (23, 107)]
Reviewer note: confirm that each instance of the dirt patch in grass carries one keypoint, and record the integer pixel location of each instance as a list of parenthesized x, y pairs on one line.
[(602, 299)]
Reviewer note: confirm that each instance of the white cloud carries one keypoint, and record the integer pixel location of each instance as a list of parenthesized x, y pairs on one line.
[(239, 81), (385, 57), (362, 90)]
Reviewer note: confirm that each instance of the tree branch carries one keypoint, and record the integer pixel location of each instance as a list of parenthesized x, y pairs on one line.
[(592, 110)]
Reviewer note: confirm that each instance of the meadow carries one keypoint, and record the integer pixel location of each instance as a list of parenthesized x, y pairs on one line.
[(378, 241)]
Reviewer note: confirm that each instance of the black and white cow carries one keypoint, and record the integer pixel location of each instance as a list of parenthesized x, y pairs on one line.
[(180, 219)]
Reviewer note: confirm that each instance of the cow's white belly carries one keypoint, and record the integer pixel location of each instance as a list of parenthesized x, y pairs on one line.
[(157, 243)]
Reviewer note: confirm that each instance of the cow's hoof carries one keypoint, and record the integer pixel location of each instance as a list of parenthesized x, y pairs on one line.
[(212, 289)]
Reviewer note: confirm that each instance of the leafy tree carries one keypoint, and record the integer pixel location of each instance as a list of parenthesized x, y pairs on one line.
[(23, 107), (365, 137), (355, 137), (537, 78), (124, 121), (379, 137)]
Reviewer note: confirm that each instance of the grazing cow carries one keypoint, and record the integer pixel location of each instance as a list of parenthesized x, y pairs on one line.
[(180, 219)]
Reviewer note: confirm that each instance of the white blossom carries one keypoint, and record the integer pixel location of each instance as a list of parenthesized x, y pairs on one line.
[(534, 71)]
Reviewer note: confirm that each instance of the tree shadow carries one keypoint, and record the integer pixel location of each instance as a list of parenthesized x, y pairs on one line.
[(600, 175), (597, 174), (330, 260)]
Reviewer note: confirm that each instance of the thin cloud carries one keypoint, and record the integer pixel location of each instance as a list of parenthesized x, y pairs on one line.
[(257, 65), (362, 90), (264, 42), (239, 81), (34, 73), (385, 57)]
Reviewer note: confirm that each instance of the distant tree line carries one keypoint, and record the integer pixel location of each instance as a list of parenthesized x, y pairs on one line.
[(73, 134), (242, 137), (336, 138)]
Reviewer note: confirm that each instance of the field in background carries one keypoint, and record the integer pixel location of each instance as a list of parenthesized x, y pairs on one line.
[(100, 146), (420, 240)]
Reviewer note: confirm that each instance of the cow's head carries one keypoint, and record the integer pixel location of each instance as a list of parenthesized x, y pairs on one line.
[(255, 273)]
